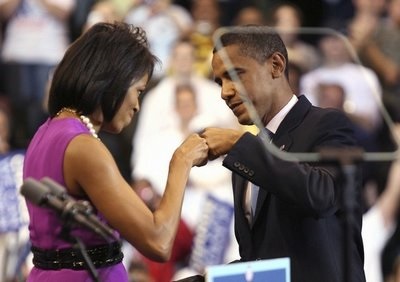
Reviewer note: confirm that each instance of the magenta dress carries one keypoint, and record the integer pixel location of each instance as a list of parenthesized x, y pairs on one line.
[(44, 157)]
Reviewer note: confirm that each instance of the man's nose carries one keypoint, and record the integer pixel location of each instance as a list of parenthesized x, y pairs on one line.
[(227, 90)]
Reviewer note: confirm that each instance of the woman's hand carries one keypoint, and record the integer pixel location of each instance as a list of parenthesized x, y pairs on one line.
[(194, 150)]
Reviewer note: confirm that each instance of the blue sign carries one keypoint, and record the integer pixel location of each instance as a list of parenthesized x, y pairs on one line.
[(212, 235), (10, 180), (271, 270)]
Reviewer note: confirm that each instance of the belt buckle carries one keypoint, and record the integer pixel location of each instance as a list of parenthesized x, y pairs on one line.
[(77, 264)]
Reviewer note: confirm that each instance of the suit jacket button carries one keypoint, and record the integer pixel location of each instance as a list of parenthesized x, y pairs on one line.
[(236, 164), (246, 170), (251, 172)]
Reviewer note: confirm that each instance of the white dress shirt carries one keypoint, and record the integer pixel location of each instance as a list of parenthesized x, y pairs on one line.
[(250, 200)]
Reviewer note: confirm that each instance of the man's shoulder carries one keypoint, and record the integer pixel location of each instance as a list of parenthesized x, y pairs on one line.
[(327, 115)]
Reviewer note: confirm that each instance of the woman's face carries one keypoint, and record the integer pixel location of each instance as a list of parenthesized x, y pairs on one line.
[(129, 107)]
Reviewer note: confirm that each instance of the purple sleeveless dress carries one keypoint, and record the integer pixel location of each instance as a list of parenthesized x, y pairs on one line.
[(44, 157)]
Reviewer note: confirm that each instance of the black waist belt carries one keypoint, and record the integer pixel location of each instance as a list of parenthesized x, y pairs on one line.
[(71, 258)]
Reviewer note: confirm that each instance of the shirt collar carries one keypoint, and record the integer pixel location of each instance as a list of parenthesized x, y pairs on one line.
[(278, 118)]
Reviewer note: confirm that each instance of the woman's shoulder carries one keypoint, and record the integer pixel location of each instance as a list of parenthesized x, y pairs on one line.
[(57, 133)]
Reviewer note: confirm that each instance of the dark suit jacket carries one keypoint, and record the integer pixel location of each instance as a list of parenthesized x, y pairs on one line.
[(299, 210)]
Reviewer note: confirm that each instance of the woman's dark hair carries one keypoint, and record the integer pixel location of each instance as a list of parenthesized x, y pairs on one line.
[(257, 42), (99, 67)]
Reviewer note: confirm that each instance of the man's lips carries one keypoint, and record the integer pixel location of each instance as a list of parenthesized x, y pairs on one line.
[(234, 106)]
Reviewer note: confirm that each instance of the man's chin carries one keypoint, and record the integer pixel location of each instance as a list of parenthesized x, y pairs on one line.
[(245, 121)]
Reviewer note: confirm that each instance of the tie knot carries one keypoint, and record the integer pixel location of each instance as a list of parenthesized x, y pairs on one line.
[(266, 134)]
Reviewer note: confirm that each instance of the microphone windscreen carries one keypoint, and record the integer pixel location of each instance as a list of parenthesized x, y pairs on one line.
[(34, 191), (54, 187)]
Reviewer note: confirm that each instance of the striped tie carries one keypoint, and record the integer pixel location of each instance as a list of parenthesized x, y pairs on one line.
[(254, 188)]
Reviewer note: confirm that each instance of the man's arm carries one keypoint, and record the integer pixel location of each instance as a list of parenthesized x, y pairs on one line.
[(312, 188)]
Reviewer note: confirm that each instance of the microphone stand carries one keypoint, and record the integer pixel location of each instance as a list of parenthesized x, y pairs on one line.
[(76, 241), (71, 212)]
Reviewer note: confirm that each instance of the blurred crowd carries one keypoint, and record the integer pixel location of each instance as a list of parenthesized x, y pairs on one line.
[(343, 54)]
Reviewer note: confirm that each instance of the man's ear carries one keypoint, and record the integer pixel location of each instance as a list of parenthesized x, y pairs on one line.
[(278, 65)]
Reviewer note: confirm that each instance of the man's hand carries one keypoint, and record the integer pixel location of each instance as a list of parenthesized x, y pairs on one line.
[(220, 140)]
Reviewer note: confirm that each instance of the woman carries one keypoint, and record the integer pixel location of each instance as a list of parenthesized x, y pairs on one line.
[(96, 87)]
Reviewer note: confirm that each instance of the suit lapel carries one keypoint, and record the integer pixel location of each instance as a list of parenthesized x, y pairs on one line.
[(292, 120), (284, 140)]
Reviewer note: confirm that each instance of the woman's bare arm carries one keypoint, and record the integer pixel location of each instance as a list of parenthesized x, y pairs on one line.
[(88, 165)]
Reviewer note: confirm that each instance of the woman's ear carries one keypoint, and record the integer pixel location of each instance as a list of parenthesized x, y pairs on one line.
[(278, 65), (97, 117)]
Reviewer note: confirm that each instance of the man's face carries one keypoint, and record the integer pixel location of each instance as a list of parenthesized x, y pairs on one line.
[(253, 83)]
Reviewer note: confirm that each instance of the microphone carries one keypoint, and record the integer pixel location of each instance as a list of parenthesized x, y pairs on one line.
[(56, 189), (83, 206), (48, 193)]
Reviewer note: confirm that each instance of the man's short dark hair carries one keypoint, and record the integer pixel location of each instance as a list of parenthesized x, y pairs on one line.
[(257, 42)]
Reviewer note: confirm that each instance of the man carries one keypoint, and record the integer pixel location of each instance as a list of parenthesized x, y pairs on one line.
[(298, 211)]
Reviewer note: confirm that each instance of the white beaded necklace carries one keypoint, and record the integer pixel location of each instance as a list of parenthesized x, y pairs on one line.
[(84, 119)]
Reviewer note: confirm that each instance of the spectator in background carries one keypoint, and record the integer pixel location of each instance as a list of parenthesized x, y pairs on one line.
[(185, 107), (288, 19), (377, 39), (164, 23), (361, 85), (363, 24), (138, 272), (249, 14), (151, 163), (4, 129), (102, 11), (78, 18), (14, 235), (158, 111), (206, 20), (3, 6), (185, 116), (375, 34), (337, 11), (390, 258), (123, 6), (333, 95), (212, 180), (163, 272), (379, 225), (36, 37)]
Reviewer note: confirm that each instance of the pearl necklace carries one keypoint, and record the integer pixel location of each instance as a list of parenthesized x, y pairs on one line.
[(84, 119)]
